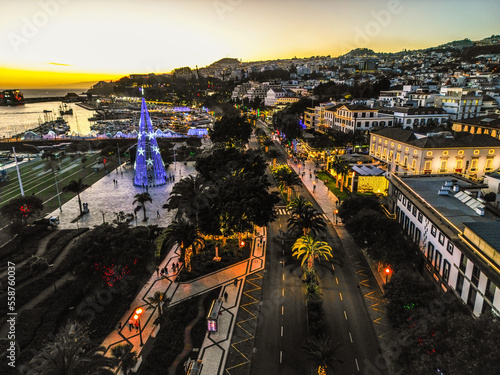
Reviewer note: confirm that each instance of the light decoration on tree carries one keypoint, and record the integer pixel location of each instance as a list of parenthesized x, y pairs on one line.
[(112, 274), (149, 166), (25, 210)]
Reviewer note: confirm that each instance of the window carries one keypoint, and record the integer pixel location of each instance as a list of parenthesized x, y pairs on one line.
[(491, 151), (445, 153), (412, 229), (460, 152), (433, 231), (427, 166), (444, 164), (450, 247), (471, 299), (460, 284), (414, 211), (489, 164), (476, 152), (404, 201), (459, 164), (441, 238), (463, 263), (446, 270), (414, 164), (473, 166), (420, 217), (429, 153), (430, 252), (437, 261), (409, 206), (475, 275), (415, 152), (418, 234)]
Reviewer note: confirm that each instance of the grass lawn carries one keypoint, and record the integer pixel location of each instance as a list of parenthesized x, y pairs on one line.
[(342, 195)]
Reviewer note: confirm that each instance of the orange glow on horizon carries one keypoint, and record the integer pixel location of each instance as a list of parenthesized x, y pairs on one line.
[(23, 79)]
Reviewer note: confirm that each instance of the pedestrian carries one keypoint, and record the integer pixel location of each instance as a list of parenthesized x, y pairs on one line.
[(235, 283), (157, 271), (157, 213), (225, 296), (130, 324), (119, 326), (121, 173), (173, 267), (136, 325), (162, 272), (165, 270)]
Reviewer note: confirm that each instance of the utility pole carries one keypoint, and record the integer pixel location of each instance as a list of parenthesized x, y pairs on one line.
[(18, 174)]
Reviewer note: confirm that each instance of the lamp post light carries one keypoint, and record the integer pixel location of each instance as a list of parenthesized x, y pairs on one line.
[(314, 186), (137, 318), (387, 271), (335, 213)]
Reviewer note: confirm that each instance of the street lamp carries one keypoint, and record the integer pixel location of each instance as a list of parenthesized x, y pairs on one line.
[(314, 186), (387, 271), (103, 213), (299, 168), (137, 318), (335, 213)]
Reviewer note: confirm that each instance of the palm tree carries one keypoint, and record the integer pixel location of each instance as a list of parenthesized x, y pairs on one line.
[(321, 351), (286, 178), (141, 199), (51, 165), (186, 235), (72, 353), (305, 221), (126, 357), (157, 299), (188, 196), (298, 205), (307, 248), (341, 167), (273, 154), (77, 187)]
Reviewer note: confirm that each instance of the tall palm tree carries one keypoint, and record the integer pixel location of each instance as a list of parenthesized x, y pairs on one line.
[(77, 187), (157, 300), (142, 199), (307, 248), (298, 205), (273, 153), (51, 165), (71, 353), (286, 178), (186, 235), (126, 357), (306, 221), (321, 351), (189, 196), (341, 167)]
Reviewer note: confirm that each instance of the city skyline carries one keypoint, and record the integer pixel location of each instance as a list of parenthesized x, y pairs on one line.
[(53, 42)]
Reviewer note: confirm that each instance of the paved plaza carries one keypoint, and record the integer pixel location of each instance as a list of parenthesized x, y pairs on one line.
[(105, 198)]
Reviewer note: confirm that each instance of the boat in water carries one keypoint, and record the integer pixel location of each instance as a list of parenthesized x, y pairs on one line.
[(65, 110), (11, 97)]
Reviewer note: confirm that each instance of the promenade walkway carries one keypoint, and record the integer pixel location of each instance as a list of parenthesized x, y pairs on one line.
[(214, 350)]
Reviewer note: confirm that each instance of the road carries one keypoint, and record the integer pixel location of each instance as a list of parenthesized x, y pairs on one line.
[(282, 327)]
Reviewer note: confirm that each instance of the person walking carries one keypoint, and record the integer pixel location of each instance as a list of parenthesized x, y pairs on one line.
[(157, 213), (130, 324), (225, 296), (235, 283), (119, 326)]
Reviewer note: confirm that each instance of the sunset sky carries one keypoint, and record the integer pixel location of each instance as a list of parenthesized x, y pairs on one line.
[(51, 42)]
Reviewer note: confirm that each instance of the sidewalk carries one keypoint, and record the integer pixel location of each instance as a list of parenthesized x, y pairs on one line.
[(213, 352)]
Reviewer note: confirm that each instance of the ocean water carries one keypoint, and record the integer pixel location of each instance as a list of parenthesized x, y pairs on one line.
[(20, 118)]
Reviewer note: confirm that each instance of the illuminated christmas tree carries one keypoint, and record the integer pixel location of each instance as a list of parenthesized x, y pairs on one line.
[(149, 166)]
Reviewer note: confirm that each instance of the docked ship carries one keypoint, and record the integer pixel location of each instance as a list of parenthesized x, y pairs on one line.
[(65, 110), (11, 97)]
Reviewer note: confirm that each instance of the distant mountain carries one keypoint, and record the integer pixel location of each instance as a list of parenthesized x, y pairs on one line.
[(360, 52), (76, 85), (226, 61)]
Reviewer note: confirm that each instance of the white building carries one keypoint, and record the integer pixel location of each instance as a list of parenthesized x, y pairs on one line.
[(355, 117), (459, 240), (409, 117)]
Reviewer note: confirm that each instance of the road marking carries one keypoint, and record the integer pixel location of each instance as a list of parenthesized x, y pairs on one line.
[(357, 366), (350, 336), (282, 310), (283, 293), (283, 276), (345, 315), (281, 356), (341, 296), (281, 331), (337, 280)]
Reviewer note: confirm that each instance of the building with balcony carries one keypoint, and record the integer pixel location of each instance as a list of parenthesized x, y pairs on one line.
[(489, 125), (409, 117), (407, 152), (458, 236), (355, 117)]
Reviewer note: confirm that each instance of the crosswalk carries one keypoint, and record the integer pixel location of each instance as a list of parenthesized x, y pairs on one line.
[(282, 211)]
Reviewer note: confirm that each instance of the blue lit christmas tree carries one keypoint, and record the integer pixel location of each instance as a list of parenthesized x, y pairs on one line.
[(149, 166)]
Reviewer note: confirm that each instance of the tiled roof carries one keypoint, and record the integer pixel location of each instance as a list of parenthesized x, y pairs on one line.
[(490, 121)]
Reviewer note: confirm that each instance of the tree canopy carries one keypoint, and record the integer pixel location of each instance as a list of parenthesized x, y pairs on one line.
[(231, 131)]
